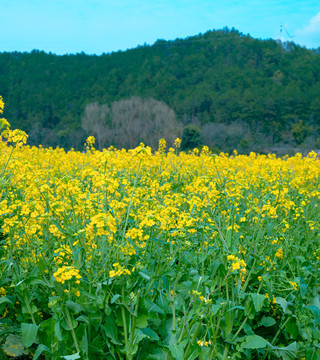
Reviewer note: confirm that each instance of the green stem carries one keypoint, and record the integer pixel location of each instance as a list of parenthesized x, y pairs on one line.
[(130, 203), (72, 330), (240, 328), (133, 327), (193, 338), (5, 166), (26, 300), (124, 320)]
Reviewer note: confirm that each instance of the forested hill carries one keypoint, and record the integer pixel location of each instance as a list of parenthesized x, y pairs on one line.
[(227, 91)]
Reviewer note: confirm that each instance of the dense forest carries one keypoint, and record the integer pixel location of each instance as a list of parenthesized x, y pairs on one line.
[(222, 89)]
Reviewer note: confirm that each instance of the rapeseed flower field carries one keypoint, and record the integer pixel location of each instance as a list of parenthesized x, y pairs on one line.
[(134, 254)]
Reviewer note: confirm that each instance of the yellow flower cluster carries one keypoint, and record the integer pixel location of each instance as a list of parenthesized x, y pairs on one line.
[(204, 343), (237, 264), (279, 254), (3, 291), (162, 146), (65, 273), (119, 270), (177, 143), (267, 296), (294, 285), (16, 137), (4, 124), (63, 255)]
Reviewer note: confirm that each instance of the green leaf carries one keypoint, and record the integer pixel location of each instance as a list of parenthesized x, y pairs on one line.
[(71, 357), (142, 321), (138, 336), (287, 353), (258, 301), (267, 321), (158, 354), (248, 329), (14, 346), (40, 349), (82, 335), (76, 308), (283, 303), (29, 333), (176, 351), (152, 307), (292, 328), (255, 342), (5, 300), (115, 298), (68, 326), (215, 308), (111, 330), (165, 282), (316, 313), (57, 331), (41, 282), (145, 276), (150, 333), (33, 309)]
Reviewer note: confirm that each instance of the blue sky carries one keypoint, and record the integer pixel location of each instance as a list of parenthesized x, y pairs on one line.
[(102, 26)]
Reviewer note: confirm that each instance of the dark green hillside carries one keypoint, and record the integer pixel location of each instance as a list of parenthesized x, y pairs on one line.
[(238, 92)]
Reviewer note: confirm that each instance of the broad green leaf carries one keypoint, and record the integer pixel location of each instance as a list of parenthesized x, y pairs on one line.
[(249, 308), (5, 300), (316, 313), (165, 282), (29, 333), (287, 353), (76, 308), (111, 330), (248, 329), (176, 351), (14, 346), (145, 276), (258, 301), (138, 336), (115, 298), (158, 354), (283, 303), (33, 309), (150, 333), (82, 335), (41, 282), (40, 349), (68, 326), (255, 342), (152, 307), (291, 327), (57, 330), (142, 321), (215, 308), (267, 321)]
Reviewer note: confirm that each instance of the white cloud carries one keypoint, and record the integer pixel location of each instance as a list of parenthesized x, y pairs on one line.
[(309, 35)]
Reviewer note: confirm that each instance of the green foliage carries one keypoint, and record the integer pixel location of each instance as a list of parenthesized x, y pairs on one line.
[(299, 131), (191, 137)]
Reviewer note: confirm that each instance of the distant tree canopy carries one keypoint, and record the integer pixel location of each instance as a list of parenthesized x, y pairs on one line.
[(235, 89)]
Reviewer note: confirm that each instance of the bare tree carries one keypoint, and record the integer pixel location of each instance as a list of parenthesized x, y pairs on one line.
[(130, 122), (95, 122), (138, 120)]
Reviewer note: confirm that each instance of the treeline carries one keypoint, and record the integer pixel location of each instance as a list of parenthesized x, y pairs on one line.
[(222, 89)]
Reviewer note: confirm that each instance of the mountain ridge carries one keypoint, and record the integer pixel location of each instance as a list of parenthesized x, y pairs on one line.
[(216, 81)]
